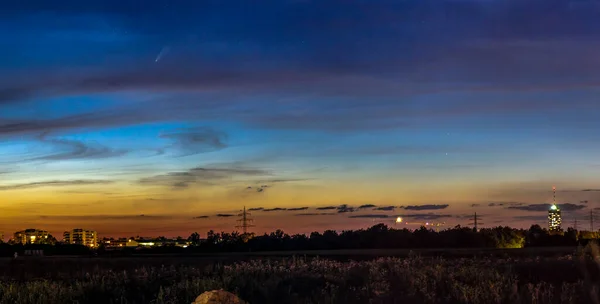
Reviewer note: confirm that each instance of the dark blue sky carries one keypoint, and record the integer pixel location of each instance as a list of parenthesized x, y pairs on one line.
[(171, 108)]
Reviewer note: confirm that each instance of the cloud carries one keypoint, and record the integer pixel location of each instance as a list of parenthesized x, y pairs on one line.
[(73, 149), (475, 205), (200, 175), (386, 208), (314, 214), (98, 119), (283, 180), (54, 183), (373, 216), (327, 208), (278, 209), (274, 209), (546, 207), (258, 189), (366, 206), (224, 215), (501, 204), (192, 141), (293, 65), (345, 208), (201, 217), (590, 190), (425, 207)]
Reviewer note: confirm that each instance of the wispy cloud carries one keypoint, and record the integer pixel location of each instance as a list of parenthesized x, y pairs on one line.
[(501, 204), (96, 119), (425, 207), (546, 207), (282, 180), (314, 214), (258, 189), (195, 140), (73, 150), (366, 206), (201, 217), (278, 209), (54, 183), (224, 215), (274, 209), (372, 216), (386, 208), (297, 209), (200, 175), (327, 208), (345, 208)]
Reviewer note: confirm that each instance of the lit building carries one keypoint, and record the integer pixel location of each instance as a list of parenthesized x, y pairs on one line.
[(30, 236), (81, 237), (554, 218), (120, 243)]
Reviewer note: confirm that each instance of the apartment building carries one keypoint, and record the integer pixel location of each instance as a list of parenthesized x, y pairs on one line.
[(81, 237)]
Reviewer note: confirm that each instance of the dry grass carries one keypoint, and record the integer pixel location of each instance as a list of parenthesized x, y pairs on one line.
[(298, 280)]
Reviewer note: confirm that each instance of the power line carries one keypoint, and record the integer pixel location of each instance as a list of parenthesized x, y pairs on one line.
[(476, 222), (245, 221)]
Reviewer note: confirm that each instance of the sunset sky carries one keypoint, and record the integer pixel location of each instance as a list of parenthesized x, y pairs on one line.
[(167, 117)]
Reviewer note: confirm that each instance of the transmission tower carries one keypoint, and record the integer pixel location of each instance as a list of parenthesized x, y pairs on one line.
[(476, 222), (245, 221)]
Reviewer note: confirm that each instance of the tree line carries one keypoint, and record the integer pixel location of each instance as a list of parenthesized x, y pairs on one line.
[(378, 236), (381, 236)]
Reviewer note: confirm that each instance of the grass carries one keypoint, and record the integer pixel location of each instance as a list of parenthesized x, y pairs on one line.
[(305, 280)]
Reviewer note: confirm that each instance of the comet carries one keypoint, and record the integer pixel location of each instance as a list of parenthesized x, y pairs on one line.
[(162, 53)]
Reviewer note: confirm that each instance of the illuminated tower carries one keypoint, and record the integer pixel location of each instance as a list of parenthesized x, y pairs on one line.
[(554, 218)]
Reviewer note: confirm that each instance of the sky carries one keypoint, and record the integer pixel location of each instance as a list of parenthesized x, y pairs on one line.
[(163, 118)]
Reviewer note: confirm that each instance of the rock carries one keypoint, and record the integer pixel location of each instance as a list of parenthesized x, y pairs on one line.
[(218, 297)]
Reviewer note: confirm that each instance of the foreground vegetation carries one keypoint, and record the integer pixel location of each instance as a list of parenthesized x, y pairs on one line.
[(303, 280)]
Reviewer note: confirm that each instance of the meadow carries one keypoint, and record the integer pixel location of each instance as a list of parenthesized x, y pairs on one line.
[(499, 278)]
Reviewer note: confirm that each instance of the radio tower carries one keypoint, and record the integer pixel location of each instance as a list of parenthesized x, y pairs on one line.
[(245, 221)]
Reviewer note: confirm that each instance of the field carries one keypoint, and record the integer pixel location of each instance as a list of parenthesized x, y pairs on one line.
[(461, 276)]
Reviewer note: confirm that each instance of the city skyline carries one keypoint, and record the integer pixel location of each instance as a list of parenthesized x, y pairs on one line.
[(158, 119)]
